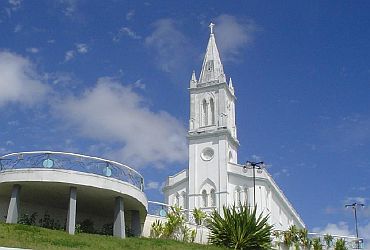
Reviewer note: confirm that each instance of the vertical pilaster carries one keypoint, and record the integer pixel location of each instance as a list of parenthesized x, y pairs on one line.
[(135, 223), (13, 209), (119, 218), (71, 217)]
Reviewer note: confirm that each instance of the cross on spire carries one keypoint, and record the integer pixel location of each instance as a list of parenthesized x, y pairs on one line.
[(211, 27)]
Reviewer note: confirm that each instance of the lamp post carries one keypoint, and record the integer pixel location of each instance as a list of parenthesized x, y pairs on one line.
[(253, 165), (354, 207)]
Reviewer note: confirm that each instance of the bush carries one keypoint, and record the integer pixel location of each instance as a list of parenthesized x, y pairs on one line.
[(340, 244), (173, 228), (240, 228), (48, 222), (87, 226), (107, 229), (26, 219)]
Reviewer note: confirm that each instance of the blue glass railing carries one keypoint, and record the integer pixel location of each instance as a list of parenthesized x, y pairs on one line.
[(70, 161)]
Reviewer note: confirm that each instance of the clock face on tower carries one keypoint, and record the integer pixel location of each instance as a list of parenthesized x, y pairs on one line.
[(207, 154)]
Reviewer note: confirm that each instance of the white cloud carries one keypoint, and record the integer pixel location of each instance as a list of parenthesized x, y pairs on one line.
[(19, 81), (70, 54), (32, 50), (358, 199), (15, 3), (169, 44), (18, 28), (340, 229), (233, 35), (130, 15), (343, 229), (69, 7), (152, 185), (126, 31), (82, 48), (111, 112), (9, 143)]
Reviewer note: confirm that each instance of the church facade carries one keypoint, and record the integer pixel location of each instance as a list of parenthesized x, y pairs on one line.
[(214, 178)]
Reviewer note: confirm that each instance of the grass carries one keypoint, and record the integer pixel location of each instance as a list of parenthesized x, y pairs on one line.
[(23, 236)]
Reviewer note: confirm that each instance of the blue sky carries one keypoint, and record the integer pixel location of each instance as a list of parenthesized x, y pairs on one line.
[(110, 79)]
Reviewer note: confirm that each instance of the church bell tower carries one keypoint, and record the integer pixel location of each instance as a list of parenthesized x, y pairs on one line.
[(212, 138)]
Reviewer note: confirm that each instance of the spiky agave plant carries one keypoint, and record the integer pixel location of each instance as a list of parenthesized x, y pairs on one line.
[(240, 228)]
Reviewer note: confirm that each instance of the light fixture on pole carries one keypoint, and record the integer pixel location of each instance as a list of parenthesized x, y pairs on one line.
[(354, 207), (254, 166)]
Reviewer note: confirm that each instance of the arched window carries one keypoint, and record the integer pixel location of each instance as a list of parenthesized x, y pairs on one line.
[(184, 199), (212, 109), (230, 156), (176, 201), (237, 196), (205, 112), (213, 198), (246, 196), (204, 198)]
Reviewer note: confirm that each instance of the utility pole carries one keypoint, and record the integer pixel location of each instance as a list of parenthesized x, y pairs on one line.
[(253, 165), (354, 207)]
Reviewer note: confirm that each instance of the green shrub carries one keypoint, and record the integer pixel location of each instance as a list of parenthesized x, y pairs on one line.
[(48, 222), (240, 228), (340, 244), (26, 219)]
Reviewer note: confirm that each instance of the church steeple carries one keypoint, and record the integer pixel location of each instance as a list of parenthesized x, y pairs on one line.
[(212, 69)]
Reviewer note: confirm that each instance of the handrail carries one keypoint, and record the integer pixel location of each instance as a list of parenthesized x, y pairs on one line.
[(72, 161)]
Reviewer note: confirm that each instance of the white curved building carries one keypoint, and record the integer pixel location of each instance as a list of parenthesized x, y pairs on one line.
[(71, 188), (214, 178)]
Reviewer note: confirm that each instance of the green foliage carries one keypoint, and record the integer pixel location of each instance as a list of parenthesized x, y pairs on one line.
[(48, 222), (107, 229), (297, 238), (316, 244), (291, 236), (193, 235), (26, 219), (174, 228), (157, 229), (199, 216), (87, 226), (303, 238), (340, 244), (328, 240), (240, 228), (32, 237)]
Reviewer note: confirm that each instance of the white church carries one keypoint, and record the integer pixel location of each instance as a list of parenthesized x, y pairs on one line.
[(111, 194), (214, 177)]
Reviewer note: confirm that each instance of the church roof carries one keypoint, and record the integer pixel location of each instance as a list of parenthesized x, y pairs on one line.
[(212, 69)]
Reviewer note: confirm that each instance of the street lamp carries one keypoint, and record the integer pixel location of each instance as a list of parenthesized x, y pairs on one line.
[(354, 207), (253, 165)]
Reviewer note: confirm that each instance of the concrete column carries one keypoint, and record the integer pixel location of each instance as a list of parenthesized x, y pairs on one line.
[(71, 217), (135, 223), (13, 209), (119, 219)]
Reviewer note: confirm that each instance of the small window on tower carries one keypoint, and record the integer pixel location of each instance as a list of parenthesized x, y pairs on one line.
[(209, 65)]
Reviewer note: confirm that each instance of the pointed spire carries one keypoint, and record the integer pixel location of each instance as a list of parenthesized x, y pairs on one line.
[(231, 83), (193, 77), (212, 69), (193, 81), (231, 87)]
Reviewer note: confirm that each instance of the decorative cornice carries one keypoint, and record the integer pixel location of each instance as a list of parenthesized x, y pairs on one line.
[(196, 134)]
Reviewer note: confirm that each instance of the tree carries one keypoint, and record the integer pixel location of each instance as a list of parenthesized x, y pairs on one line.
[(316, 243), (199, 217), (174, 228), (340, 244), (328, 240), (240, 228), (303, 238)]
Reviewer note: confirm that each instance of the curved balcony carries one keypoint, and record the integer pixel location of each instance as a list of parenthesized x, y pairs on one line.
[(74, 162)]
